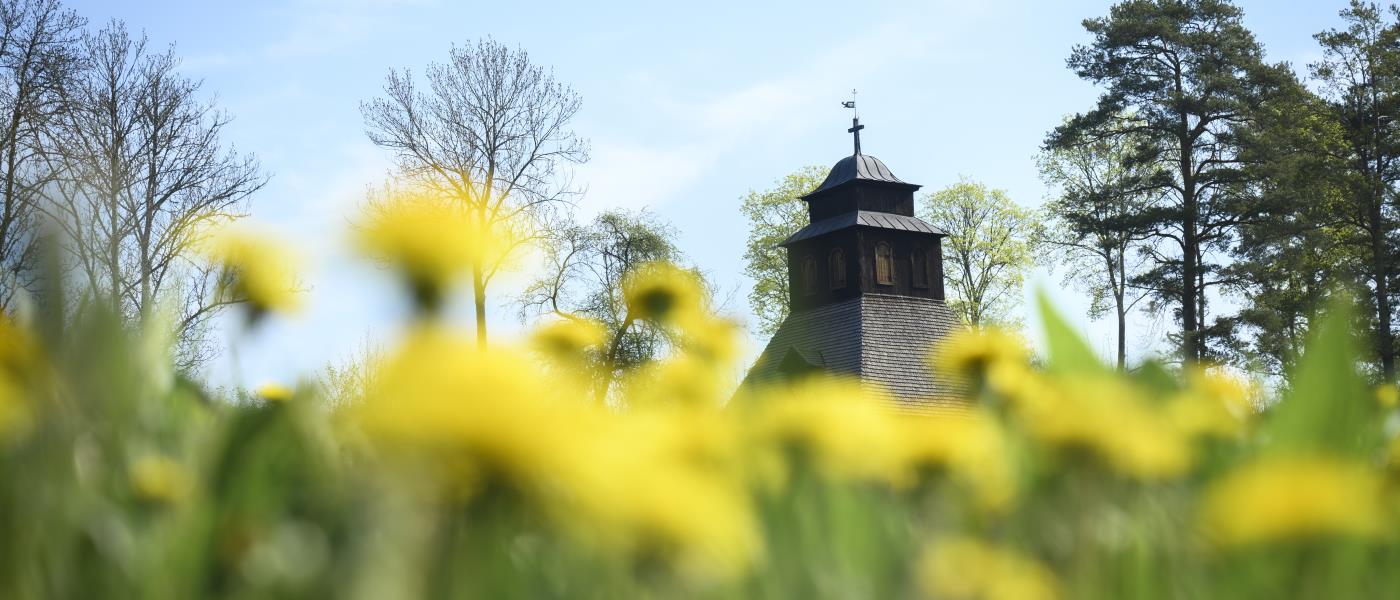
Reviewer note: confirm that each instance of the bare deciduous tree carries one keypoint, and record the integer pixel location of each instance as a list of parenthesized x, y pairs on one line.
[(490, 133), (38, 42), (143, 177)]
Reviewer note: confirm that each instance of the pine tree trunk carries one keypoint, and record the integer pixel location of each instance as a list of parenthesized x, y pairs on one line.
[(1384, 338), (1119, 291), (1190, 351)]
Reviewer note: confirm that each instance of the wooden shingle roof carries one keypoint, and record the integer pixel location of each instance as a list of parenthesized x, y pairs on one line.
[(863, 218), (884, 340)]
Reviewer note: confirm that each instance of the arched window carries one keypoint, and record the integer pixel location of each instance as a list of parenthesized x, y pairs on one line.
[(884, 264), (919, 261), (809, 275), (836, 263)]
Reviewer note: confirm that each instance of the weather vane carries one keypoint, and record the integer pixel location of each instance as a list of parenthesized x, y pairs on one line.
[(855, 119)]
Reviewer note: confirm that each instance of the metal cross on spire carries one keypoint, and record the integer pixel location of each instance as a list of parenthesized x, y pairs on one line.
[(855, 119)]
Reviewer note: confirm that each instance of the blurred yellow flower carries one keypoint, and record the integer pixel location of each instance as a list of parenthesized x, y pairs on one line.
[(710, 338), (972, 447), (488, 411), (275, 392), (1387, 395), (837, 424), (1299, 496), (1112, 419), (18, 365), (256, 268), (683, 379), (662, 292), (1013, 379), (158, 479), (665, 481), (430, 241), (1392, 454), (969, 569), (567, 339), (972, 352)]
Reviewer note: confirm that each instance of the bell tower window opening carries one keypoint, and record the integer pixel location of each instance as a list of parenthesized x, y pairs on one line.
[(809, 275), (919, 262), (884, 264), (837, 265)]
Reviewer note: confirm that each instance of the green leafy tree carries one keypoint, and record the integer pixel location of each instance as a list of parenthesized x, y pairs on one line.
[(1095, 228), (987, 251), (1292, 252), (584, 268), (1187, 75), (773, 215), (1359, 77)]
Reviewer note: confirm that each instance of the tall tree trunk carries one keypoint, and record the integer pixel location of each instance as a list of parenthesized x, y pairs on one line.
[(1190, 351), (1119, 291), (479, 298), (1380, 265), (1200, 305), (610, 362)]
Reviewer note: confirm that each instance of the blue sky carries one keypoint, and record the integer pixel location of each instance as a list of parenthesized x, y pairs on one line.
[(687, 106)]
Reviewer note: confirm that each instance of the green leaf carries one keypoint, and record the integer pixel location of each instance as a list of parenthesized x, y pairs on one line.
[(1068, 354), (1329, 406)]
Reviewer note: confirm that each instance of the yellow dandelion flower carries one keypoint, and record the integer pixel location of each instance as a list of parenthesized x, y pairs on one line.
[(967, 568), (1387, 395), (158, 479), (19, 364), (1214, 403), (275, 392), (664, 482), (567, 338), (1113, 420), (836, 423), (709, 337), (972, 352), (489, 412), (1196, 414), (683, 379), (973, 448), (662, 292), (1013, 379), (431, 242), (14, 414), (256, 268), (1298, 496)]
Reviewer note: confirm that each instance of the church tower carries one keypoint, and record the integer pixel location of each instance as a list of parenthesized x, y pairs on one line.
[(865, 278)]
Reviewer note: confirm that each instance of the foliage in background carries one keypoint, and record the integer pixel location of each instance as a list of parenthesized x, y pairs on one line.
[(467, 472), (1341, 152), (987, 252), (585, 267), (773, 215), (1095, 226), (1187, 76)]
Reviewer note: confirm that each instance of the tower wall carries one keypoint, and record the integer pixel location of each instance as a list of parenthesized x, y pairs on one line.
[(859, 247), (872, 197)]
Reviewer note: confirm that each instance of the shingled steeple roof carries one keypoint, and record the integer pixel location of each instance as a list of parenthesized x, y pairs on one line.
[(859, 167)]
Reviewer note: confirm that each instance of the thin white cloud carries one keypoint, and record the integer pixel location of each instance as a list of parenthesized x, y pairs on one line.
[(312, 28), (634, 173)]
